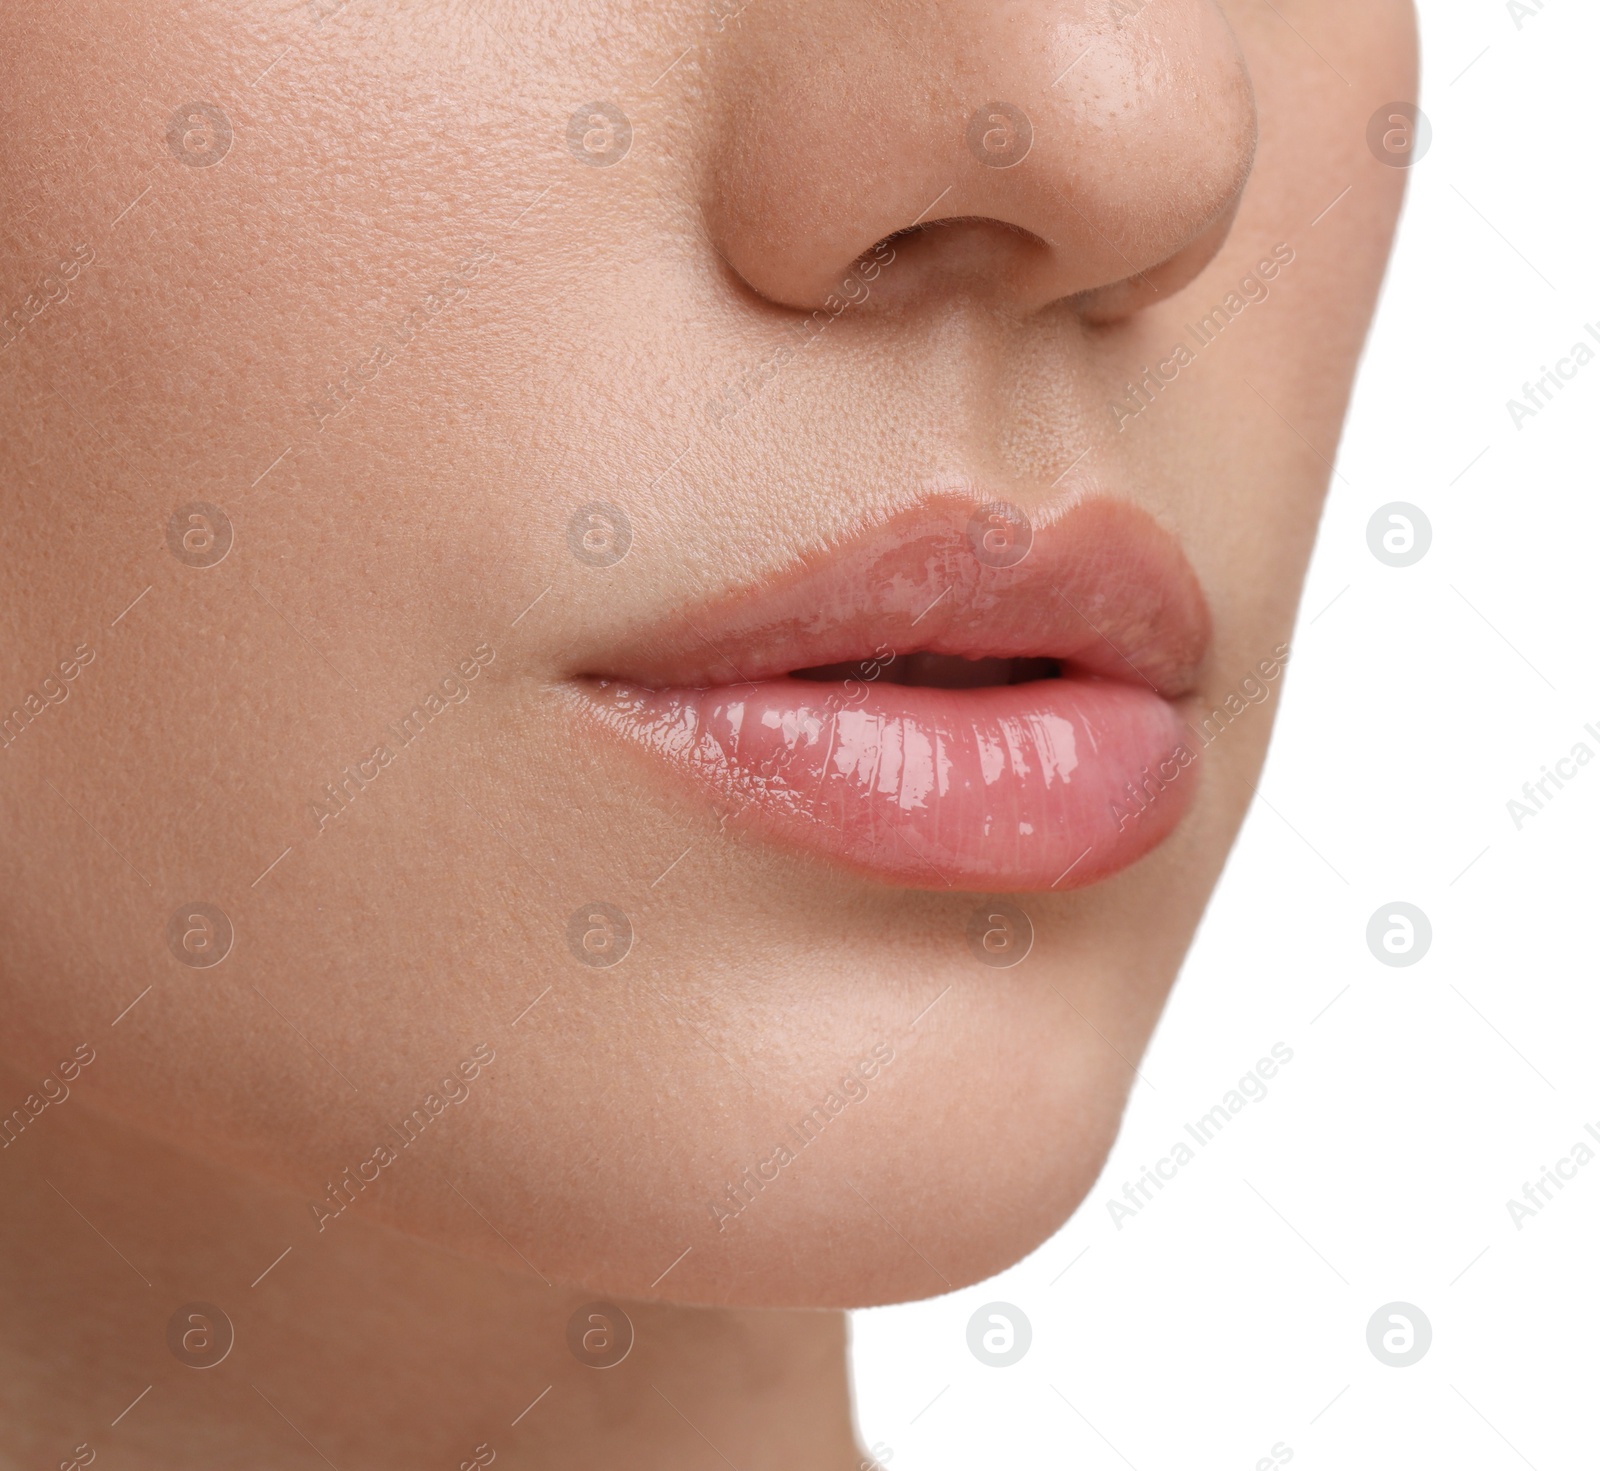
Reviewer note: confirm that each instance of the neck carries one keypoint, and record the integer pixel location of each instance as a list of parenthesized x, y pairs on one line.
[(367, 1350)]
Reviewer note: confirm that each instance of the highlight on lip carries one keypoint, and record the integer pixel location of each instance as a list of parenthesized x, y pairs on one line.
[(902, 708)]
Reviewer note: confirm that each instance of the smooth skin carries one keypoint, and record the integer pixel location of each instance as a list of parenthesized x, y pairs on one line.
[(556, 333)]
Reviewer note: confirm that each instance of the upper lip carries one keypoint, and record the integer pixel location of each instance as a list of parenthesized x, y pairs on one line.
[(1104, 589)]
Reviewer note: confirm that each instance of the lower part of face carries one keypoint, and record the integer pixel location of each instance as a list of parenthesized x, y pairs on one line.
[(325, 335)]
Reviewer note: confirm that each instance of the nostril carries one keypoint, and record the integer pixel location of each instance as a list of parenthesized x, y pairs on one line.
[(955, 222), (966, 255)]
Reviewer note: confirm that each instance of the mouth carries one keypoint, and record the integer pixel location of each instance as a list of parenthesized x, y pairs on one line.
[(942, 702)]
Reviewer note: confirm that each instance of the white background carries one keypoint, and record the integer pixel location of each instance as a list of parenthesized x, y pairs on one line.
[(1231, 1313)]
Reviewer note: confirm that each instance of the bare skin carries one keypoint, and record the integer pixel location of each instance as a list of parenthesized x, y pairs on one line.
[(394, 518), (379, 1350)]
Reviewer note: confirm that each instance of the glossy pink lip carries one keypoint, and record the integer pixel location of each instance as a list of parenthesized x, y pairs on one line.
[(1051, 783)]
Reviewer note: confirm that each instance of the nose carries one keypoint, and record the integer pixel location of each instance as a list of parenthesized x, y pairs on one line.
[(1031, 150)]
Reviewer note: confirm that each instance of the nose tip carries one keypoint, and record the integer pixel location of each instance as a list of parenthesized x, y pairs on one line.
[(1063, 155)]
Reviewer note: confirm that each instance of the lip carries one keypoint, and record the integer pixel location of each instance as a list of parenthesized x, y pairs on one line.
[(1052, 783)]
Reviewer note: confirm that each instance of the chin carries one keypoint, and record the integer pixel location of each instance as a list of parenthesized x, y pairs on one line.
[(920, 1161)]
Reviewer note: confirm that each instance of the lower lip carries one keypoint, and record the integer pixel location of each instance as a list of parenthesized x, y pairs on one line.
[(1020, 788)]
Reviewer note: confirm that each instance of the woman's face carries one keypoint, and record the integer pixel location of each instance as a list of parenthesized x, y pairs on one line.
[(688, 596)]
